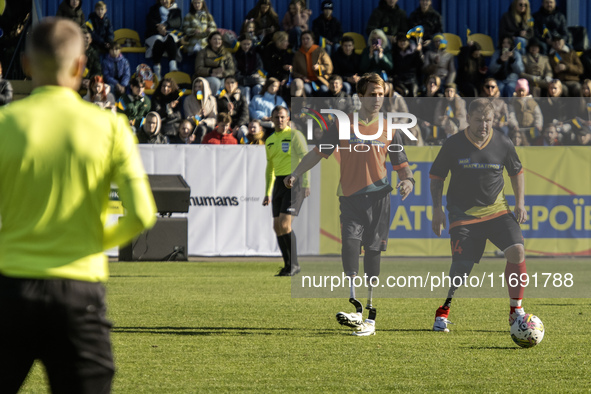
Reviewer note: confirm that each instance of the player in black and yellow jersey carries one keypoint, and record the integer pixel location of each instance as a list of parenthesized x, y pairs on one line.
[(476, 203), (364, 192), (285, 148)]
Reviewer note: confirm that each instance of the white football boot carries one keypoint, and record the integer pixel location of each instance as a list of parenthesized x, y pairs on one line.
[(441, 323), (513, 316), (352, 320), (366, 329)]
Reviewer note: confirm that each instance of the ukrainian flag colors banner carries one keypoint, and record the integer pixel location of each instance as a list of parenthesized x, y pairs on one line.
[(557, 197)]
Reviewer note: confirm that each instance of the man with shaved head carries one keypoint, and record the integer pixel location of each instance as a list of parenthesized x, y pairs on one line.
[(59, 156)]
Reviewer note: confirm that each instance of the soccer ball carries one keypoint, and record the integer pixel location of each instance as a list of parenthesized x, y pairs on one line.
[(527, 330)]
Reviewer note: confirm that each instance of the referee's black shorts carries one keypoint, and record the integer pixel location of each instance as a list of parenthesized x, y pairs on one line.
[(60, 322), (468, 241), (284, 200), (366, 217)]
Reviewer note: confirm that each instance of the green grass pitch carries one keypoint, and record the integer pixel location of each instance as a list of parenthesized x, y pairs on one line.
[(222, 326)]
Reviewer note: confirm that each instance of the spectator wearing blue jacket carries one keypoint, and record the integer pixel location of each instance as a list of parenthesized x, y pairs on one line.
[(506, 66), (116, 71), (261, 106), (100, 28)]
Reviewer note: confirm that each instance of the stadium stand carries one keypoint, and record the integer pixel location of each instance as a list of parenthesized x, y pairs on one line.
[(485, 41), (129, 40), (182, 79), (454, 43)]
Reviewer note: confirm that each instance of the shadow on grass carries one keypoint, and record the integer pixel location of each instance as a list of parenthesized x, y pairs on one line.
[(240, 331), (492, 347), (134, 276), (404, 329), (237, 331)]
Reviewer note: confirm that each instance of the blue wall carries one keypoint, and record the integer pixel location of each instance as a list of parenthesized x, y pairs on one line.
[(479, 16)]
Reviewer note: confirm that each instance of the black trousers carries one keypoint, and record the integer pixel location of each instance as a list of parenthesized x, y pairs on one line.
[(160, 47), (60, 322)]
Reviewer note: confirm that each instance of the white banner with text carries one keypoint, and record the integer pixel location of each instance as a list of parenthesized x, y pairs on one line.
[(226, 216)]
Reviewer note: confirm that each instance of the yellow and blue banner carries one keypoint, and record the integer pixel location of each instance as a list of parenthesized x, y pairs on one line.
[(557, 199), (449, 111), (177, 33), (234, 46), (416, 32), (121, 105)]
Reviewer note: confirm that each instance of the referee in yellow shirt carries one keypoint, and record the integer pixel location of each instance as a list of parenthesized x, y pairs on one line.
[(59, 156), (285, 148)]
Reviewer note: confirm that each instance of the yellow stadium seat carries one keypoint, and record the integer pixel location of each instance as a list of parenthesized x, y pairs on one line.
[(129, 40), (486, 42), (359, 41), (454, 43), (182, 79)]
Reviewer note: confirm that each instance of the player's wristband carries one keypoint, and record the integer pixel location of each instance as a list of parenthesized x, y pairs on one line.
[(412, 180)]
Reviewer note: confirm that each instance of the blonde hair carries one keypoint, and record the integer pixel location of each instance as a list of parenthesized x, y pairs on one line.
[(586, 82), (434, 77), (558, 84), (378, 33), (279, 36), (517, 15)]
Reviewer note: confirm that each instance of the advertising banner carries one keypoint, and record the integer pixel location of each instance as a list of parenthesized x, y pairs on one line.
[(558, 200), (226, 215)]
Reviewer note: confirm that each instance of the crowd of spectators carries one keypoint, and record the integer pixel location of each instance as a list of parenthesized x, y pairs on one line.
[(299, 54)]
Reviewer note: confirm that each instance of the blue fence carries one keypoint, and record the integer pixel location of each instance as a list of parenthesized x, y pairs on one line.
[(479, 16)]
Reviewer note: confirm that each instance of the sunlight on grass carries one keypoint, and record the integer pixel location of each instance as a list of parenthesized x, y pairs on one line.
[(198, 327)]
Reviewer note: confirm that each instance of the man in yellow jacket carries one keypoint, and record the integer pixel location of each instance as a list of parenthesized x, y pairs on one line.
[(58, 158)]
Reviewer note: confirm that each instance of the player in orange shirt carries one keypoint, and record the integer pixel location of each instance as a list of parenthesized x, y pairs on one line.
[(365, 191)]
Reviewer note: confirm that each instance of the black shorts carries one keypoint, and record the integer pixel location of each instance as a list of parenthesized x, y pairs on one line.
[(366, 217), (60, 322), (468, 241), (284, 200)]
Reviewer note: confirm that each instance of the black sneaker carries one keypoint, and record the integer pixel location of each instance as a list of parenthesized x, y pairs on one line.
[(283, 272), (288, 272)]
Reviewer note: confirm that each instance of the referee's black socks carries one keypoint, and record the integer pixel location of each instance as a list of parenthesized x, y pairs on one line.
[(290, 256)]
